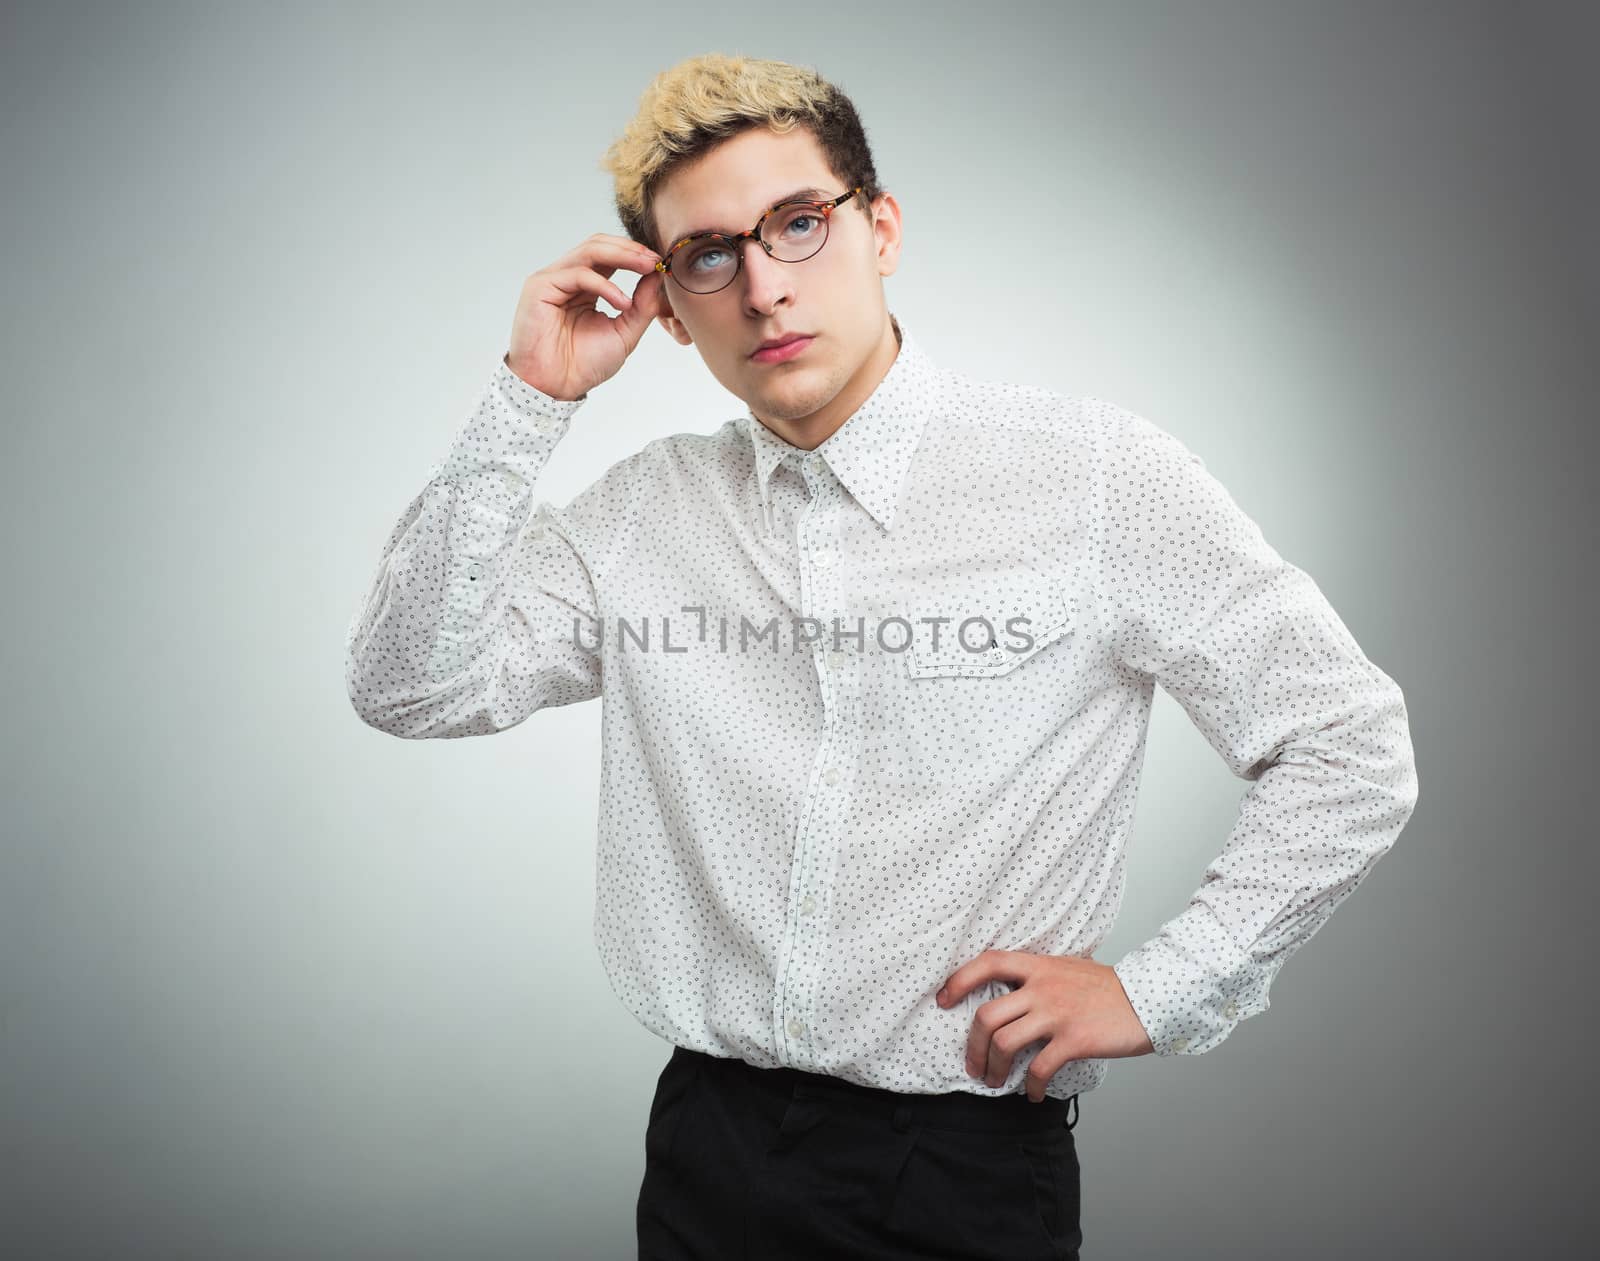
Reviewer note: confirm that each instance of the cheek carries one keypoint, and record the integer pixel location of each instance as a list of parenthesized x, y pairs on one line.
[(853, 274), (853, 259)]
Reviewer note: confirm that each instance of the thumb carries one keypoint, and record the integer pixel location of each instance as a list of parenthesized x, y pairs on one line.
[(641, 311)]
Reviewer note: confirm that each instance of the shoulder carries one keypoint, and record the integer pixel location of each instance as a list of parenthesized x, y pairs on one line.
[(667, 458), (1024, 421), (1017, 407), (697, 452), (1112, 454), (635, 491)]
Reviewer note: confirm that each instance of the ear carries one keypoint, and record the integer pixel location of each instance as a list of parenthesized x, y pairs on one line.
[(675, 329), (886, 231)]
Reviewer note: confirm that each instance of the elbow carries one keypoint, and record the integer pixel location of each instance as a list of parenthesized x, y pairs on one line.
[(387, 719), (381, 709), (1405, 754), (1394, 764), (1367, 748), (455, 706), (1406, 786)]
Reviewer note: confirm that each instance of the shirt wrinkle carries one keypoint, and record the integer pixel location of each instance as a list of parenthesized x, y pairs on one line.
[(798, 840)]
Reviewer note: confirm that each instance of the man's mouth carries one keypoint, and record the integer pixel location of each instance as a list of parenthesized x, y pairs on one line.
[(786, 348)]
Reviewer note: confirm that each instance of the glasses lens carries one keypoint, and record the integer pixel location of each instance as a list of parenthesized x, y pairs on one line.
[(795, 232), (705, 265)]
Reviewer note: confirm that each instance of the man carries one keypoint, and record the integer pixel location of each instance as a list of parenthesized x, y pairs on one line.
[(877, 661)]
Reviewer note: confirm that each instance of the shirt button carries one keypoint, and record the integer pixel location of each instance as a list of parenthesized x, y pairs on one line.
[(795, 1028), (474, 570), (836, 659), (511, 480), (1230, 1009), (1178, 1044), (823, 558), (831, 775), (809, 905)]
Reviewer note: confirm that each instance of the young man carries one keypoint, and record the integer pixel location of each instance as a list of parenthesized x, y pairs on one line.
[(877, 659)]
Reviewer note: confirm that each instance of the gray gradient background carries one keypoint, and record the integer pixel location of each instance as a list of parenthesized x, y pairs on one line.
[(278, 986)]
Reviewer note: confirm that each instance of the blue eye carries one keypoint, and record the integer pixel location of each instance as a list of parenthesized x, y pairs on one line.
[(701, 257)]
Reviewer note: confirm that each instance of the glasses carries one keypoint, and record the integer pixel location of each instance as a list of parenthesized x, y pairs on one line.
[(790, 232)]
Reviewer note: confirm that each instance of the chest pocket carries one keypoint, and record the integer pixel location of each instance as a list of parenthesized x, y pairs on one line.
[(1051, 618)]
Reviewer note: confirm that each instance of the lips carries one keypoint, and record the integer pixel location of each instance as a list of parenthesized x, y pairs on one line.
[(786, 347)]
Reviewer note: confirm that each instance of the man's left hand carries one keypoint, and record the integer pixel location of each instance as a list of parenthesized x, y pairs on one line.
[(1077, 1007)]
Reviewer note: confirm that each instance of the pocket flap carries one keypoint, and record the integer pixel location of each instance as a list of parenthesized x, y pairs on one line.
[(1007, 647)]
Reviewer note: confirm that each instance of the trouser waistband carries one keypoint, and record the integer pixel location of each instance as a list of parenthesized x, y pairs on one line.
[(958, 1110)]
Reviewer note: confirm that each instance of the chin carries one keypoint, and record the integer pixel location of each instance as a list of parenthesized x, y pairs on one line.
[(794, 400)]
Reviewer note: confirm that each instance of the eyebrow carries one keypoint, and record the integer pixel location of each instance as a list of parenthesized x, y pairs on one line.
[(798, 194)]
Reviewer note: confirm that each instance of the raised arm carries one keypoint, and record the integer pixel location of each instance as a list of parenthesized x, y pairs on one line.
[(467, 628), (473, 622)]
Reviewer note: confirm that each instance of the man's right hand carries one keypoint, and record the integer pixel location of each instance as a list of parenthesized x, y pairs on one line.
[(561, 342)]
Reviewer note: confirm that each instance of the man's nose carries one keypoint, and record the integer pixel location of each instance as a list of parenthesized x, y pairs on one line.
[(765, 277)]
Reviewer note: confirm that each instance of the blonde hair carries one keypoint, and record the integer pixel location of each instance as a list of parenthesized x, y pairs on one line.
[(701, 102)]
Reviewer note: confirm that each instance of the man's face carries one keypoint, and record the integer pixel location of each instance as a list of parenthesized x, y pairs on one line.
[(836, 295)]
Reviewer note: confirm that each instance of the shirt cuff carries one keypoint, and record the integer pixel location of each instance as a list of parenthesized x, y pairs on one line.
[(1190, 997), (530, 400)]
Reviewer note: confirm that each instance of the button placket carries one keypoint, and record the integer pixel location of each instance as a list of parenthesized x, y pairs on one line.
[(819, 830)]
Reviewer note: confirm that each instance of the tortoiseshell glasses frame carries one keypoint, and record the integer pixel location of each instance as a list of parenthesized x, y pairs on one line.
[(736, 241)]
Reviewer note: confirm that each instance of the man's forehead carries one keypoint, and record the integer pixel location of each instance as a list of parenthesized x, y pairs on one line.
[(699, 219)]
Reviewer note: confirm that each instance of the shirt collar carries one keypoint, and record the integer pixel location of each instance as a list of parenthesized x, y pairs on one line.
[(871, 452)]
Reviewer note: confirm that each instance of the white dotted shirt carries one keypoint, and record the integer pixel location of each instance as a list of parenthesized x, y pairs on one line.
[(802, 833)]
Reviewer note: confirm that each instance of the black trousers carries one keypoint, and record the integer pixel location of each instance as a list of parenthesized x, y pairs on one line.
[(749, 1164)]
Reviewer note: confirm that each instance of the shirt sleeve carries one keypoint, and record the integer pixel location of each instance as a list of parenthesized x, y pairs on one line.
[(1249, 646), (483, 609)]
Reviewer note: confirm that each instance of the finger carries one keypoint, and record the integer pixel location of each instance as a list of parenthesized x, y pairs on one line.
[(641, 313), (1051, 1059), (607, 254), (611, 238), (991, 965), (989, 1020), (574, 282), (963, 979), (1010, 1041)]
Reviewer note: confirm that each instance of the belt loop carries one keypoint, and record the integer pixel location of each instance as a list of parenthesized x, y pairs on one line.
[(1072, 1106), (902, 1115)]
